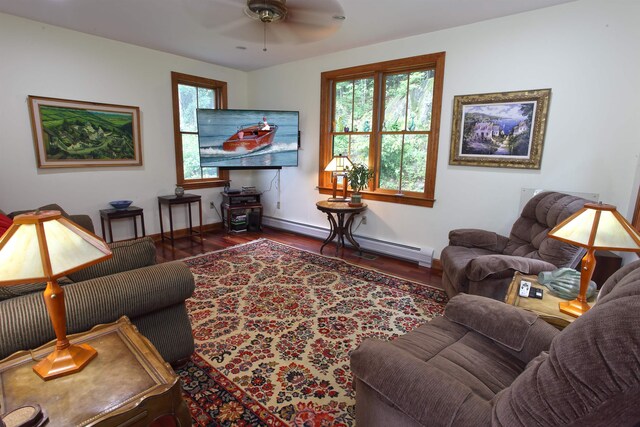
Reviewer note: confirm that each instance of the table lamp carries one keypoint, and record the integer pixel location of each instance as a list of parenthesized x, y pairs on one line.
[(337, 166), (595, 227), (44, 246)]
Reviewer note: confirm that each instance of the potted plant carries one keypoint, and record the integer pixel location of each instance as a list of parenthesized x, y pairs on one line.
[(358, 176)]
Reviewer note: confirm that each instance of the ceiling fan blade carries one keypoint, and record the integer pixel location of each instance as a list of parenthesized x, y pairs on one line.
[(214, 13), (252, 31), (324, 7), (304, 33), (309, 20)]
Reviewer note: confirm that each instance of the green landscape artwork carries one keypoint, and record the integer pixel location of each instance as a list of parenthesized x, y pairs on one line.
[(71, 133)]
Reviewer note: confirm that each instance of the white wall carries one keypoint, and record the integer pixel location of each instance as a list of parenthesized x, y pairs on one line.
[(38, 59), (585, 51)]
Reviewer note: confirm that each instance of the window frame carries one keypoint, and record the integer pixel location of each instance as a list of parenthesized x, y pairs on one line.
[(220, 90), (378, 71)]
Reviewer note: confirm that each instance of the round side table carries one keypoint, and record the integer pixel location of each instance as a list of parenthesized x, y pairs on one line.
[(340, 216)]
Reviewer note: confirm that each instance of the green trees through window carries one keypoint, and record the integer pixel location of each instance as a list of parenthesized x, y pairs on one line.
[(385, 115), (189, 94)]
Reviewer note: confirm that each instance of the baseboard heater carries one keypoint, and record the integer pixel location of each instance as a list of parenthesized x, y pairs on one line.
[(423, 256)]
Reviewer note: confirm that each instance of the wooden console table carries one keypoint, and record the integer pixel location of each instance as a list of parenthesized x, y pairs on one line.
[(130, 212), (338, 226), (171, 201), (127, 384)]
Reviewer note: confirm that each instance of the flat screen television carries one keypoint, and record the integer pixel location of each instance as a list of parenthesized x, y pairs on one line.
[(248, 139)]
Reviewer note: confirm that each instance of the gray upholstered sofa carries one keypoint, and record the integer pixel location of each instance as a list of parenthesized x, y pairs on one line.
[(488, 363), (481, 262), (130, 283)]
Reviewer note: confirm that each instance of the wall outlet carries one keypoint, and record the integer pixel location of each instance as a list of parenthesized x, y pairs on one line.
[(277, 205), (364, 220), (211, 205)]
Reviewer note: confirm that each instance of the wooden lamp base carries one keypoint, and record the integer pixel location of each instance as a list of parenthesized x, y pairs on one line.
[(574, 308), (65, 361)]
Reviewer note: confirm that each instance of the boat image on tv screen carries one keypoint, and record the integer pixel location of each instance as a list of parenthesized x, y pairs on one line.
[(247, 138)]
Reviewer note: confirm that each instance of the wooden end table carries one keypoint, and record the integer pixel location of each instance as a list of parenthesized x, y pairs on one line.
[(546, 308), (171, 201), (130, 212), (336, 213), (128, 383)]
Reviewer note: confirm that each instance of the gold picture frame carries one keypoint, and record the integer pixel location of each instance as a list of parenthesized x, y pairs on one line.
[(75, 134), (504, 129)]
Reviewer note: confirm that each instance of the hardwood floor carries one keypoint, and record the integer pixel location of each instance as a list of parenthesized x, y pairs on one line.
[(215, 240)]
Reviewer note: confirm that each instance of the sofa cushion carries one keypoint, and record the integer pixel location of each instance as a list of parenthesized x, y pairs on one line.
[(127, 255), (528, 237), (7, 292), (480, 314)]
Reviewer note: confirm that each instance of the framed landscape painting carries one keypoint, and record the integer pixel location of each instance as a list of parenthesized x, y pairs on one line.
[(499, 129), (70, 134)]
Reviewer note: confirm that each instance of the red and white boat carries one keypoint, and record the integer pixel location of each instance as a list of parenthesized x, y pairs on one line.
[(251, 138)]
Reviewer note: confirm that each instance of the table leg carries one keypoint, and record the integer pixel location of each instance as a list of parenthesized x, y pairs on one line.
[(340, 242), (104, 237), (135, 226), (142, 224), (332, 231), (200, 206), (110, 230), (190, 220), (171, 223), (349, 234), (160, 213)]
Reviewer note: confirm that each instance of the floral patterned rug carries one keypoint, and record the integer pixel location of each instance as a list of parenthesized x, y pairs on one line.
[(274, 326)]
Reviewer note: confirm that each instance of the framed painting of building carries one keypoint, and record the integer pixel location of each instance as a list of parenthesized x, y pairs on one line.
[(499, 129), (70, 134)]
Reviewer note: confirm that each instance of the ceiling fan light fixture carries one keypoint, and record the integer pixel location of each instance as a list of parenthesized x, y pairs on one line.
[(266, 11)]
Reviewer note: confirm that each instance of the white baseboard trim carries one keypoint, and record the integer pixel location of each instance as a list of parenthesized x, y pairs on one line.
[(423, 256)]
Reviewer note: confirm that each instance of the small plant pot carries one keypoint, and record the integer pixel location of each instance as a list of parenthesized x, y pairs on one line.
[(356, 200)]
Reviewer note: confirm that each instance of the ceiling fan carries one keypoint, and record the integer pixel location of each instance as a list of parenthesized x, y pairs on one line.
[(279, 21)]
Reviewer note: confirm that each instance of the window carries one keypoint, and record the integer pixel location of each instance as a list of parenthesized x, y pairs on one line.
[(385, 115), (189, 94)]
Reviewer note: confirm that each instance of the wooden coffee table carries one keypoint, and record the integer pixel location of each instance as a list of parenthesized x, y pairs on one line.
[(546, 308), (128, 383)]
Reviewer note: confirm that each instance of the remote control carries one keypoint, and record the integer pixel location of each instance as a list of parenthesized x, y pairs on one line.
[(535, 293), (525, 288)]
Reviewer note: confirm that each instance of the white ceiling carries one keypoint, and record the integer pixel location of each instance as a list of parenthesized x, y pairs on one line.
[(212, 30)]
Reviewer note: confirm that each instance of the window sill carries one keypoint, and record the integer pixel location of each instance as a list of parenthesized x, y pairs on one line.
[(389, 198)]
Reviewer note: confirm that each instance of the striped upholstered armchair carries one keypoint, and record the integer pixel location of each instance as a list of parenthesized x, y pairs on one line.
[(130, 283)]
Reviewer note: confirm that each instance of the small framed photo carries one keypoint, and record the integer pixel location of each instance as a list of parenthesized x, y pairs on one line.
[(499, 129), (72, 134)]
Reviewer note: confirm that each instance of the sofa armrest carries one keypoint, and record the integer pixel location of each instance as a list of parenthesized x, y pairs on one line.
[(526, 335), (24, 323), (486, 265), (475, 238), (127, 255), (425, 393)]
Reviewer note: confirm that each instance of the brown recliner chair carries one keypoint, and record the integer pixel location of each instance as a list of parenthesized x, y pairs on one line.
[(482, 262), (488, 363)]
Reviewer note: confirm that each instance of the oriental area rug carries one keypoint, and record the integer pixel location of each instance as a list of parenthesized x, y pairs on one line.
[(274, 327)]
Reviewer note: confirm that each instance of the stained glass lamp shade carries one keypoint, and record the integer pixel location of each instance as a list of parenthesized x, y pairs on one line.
[(338, 167), (44, 246), (595, 227)]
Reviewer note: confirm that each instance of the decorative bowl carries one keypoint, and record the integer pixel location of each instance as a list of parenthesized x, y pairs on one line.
[(121, 204)]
